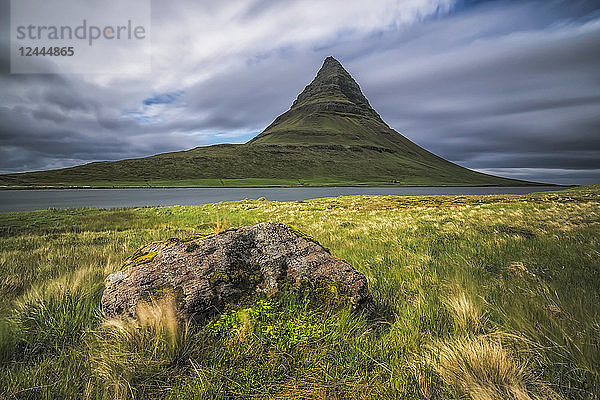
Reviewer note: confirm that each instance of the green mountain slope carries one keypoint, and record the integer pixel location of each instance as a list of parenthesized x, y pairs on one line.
[(330, 136)]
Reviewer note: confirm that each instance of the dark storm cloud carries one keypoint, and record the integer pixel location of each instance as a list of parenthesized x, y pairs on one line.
[(504, 87)]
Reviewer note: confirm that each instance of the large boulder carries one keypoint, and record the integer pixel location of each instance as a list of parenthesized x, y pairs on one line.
[(207, 273)]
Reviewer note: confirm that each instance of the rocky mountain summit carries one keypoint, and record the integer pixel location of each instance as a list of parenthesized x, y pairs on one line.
[(332, 88)]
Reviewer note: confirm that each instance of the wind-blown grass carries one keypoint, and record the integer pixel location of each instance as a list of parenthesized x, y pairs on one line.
[(483, 369), (479, 297)]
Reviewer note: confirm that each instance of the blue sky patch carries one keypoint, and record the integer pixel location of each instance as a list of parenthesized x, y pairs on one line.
[(162, 98)]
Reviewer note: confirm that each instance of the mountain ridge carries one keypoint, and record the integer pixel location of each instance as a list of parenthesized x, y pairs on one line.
[(331, 135)]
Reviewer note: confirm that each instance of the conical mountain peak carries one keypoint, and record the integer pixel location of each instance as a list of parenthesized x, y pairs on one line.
[(331, 109), (334, 84)]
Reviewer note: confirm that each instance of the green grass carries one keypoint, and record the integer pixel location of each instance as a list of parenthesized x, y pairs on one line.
[(263, 165), (483, 297)]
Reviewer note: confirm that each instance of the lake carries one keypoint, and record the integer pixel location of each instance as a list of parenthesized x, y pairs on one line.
[(31, 200)]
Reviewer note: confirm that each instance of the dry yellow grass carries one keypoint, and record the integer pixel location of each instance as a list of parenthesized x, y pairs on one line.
[(466, 314), (156, 336), (160, 315), (220, 224), (481, 368)]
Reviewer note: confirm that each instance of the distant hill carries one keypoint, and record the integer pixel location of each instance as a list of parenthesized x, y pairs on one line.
[(330, 136)]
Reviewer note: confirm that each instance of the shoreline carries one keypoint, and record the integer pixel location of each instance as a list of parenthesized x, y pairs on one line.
[(7, 188), (42, 199)]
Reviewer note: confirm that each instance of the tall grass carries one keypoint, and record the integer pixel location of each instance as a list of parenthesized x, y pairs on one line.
[(137, 358), (477, 297), (483, 369), (466, 313)]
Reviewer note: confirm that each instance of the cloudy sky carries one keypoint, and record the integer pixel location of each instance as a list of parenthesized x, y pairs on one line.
[(506, 87)]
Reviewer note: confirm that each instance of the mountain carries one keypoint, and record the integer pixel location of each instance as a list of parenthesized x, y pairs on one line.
[(330, 136), (333, 110)]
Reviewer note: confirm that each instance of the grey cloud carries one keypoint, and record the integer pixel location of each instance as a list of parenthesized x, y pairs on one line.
[(67, 98), (49, 116)]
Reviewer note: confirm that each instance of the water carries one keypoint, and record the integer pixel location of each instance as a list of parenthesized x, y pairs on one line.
[(31, 200)]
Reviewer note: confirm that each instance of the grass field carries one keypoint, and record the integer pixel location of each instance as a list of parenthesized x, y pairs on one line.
[(482, 297), (266, 165)]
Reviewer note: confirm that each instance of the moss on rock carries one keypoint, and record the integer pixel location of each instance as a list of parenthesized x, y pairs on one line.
[(296, 231), (191, 247), (218, 276), (140, 257)]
